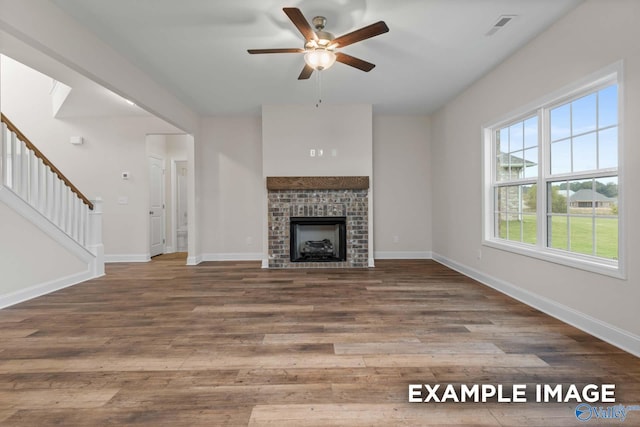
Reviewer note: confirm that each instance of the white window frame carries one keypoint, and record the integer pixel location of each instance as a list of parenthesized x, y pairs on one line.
[(614, 268)]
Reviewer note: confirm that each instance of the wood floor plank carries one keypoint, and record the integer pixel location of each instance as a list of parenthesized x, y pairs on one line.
[(437, 360), (40, 399), (362, 414), (416, 348), (232, 344), (340, 338)]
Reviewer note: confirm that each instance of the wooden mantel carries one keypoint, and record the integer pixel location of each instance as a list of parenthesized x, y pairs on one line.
[(317, 182)]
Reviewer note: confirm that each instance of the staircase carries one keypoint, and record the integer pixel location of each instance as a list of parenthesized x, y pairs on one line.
[(33, 187)]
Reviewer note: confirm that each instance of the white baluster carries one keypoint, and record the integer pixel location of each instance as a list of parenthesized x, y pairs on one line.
[(68, 209), (77, 219), (42, 186), (34, 193), (49, 194), (72, 211), (15, 166), (81, 224), (57, 203), (24, 172)]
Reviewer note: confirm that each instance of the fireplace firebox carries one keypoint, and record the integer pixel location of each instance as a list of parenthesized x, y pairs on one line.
[(318, 239)]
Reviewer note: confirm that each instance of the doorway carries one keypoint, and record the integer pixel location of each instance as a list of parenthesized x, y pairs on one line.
[(174, 150)]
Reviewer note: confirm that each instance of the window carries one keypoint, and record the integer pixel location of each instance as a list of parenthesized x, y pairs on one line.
[(551, 179)]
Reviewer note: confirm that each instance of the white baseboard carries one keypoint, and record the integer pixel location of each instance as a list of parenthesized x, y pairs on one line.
[(620, 338), (244, 256), (127, 258), (194, 260), (403, 255), (43, 289)]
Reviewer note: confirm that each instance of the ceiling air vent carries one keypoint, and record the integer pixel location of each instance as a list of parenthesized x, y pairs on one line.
[(502, 21)]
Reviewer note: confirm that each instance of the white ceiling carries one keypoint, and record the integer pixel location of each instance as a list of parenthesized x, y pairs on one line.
[(197, 49)]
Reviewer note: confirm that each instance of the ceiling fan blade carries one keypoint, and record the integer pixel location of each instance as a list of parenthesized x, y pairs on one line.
[(284, 50), (362, 34), (300, 22), (305, 73), (354, 62)]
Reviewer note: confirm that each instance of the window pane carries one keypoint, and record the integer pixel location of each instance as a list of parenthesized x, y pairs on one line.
[(514, 202), (583, 114), (531, 163), (529, 229), (516, 162), (502, 159), (585, 153), (581, 240), (530, 198), (557, 197), (557, 232), (608, 148), (502, 226), (501, 212), (515, 233), (516, 137), (607, 186), (608, 106), (561, 157), (606, 198), (511, 221), (531, 132), (501, 203), (607, 238), (560, 122), (581, 197)]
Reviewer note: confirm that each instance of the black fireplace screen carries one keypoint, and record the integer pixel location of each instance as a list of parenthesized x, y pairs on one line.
[(318, 239)]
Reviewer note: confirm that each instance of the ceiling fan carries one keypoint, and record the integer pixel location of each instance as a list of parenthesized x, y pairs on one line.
[(320, 47)]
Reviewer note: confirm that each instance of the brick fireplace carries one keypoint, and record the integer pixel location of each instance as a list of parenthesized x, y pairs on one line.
[(318, 197)]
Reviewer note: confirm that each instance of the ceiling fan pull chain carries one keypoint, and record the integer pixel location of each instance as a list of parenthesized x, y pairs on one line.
[(319, 87)]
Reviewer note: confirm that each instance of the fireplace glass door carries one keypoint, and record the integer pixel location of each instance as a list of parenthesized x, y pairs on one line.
[(318, 239)]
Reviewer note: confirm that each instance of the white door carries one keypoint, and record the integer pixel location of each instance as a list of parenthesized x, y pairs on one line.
[(156, 206)]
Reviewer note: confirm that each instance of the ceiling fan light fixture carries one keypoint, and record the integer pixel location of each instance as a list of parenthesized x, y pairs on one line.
[(320, 59)]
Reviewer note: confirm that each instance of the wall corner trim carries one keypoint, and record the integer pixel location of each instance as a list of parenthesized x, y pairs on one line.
[(618, 337), (194, 260)]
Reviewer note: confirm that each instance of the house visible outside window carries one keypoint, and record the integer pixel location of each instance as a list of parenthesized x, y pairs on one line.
[(551, 178)]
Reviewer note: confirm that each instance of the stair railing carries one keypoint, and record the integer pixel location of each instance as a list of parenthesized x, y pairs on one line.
[(32, 177)]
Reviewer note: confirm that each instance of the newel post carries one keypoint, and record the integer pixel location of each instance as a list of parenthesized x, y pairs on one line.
[(95, 236)]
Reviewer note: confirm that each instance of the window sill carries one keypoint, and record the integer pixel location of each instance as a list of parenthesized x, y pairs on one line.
[(580, 262)]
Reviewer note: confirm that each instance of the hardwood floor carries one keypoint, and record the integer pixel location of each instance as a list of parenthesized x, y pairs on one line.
[(162, 344)]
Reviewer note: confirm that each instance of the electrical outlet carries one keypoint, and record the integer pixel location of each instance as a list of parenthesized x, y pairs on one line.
[(312, 152)]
